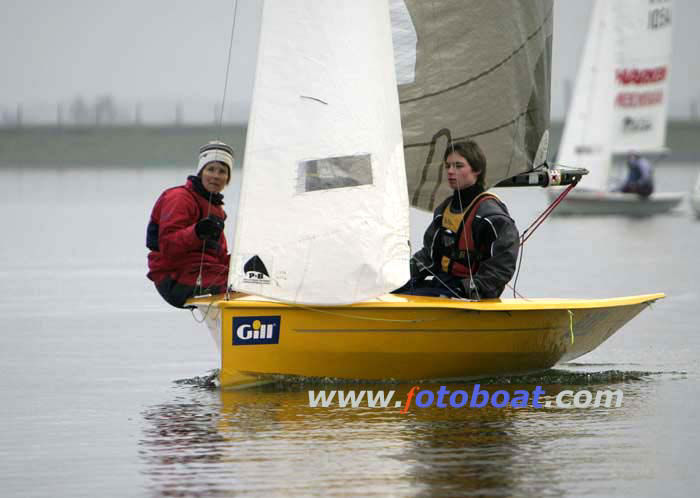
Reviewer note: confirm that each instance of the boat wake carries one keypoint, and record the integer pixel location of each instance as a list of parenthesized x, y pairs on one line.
[(208, 381), (563, 376), (559, 376)]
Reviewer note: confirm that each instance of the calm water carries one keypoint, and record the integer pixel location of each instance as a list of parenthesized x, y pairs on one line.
[(89, 356)]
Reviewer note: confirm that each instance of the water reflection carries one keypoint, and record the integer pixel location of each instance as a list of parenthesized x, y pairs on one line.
[(180, 439), (268, 441)]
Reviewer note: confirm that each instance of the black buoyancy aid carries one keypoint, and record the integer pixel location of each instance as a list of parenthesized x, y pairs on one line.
[(460, 256)]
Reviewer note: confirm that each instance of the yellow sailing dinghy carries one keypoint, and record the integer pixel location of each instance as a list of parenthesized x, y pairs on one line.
[(405, 338), (352, 104)]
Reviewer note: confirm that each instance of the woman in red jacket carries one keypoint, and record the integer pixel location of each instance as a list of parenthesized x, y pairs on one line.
[(189, 255)]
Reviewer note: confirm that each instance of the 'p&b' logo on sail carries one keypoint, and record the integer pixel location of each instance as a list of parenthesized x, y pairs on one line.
[(255, 271), (256, 330)]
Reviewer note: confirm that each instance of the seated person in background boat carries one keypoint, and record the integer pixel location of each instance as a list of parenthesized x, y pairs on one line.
[(639, 176), (189, 254), (471, 246)]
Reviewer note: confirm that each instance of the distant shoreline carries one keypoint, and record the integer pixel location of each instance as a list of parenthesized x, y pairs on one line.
[(137, 146), (146, 146)]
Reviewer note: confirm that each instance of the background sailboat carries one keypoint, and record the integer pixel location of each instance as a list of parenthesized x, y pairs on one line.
[(322, 228), (695, 198), (619, 105)]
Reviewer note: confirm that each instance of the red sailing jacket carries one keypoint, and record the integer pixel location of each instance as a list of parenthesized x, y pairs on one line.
[(179, 253)]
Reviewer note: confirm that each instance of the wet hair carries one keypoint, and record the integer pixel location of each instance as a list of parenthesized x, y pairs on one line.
[(470, 151)]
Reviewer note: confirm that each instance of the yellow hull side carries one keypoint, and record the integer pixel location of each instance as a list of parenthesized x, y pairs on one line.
[(417, 338)]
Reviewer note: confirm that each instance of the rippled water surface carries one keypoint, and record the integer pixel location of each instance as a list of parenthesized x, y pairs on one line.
[(90, 358)]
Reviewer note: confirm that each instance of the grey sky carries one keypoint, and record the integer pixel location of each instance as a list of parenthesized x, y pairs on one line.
[(169, 50)]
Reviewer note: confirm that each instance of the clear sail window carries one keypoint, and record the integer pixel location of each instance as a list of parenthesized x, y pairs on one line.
[(334, 172)]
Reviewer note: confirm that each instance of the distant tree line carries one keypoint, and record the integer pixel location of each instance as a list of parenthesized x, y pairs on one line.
[(105, 110)]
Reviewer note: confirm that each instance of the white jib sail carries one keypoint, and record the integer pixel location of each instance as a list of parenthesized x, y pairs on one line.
[(587, 138), (323, 214), (643, 63)]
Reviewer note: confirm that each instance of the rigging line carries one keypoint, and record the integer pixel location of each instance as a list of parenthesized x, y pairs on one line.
[(489, 70), (457, 296), (373, 319), (520, 255), (205, 313), (517, 273), (518, 293), (209, 289), (221, 121), (540, 219), (426, 268), (199, 282), (228, 67), (534, 225)]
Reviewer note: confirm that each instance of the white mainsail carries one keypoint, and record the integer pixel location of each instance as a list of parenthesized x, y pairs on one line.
[(323, 214), (642, 70), (620, 95)]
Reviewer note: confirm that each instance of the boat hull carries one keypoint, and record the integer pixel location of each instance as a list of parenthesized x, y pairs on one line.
[(585, 202), (695, 203), (406, 338), (695, 199)]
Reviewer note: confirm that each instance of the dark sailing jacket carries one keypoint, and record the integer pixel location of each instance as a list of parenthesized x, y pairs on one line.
[(495, 245), (176, 251)]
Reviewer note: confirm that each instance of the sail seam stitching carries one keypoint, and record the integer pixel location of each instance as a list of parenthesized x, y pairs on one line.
[(487, 71)]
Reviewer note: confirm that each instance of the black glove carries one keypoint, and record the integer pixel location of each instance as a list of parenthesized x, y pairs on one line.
[(209, 228)]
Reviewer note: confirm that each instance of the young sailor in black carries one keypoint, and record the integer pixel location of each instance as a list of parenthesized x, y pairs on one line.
[(471, 246)]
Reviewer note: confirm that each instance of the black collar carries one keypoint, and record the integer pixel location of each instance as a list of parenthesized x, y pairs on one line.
[(462, 198), (197, 186)]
